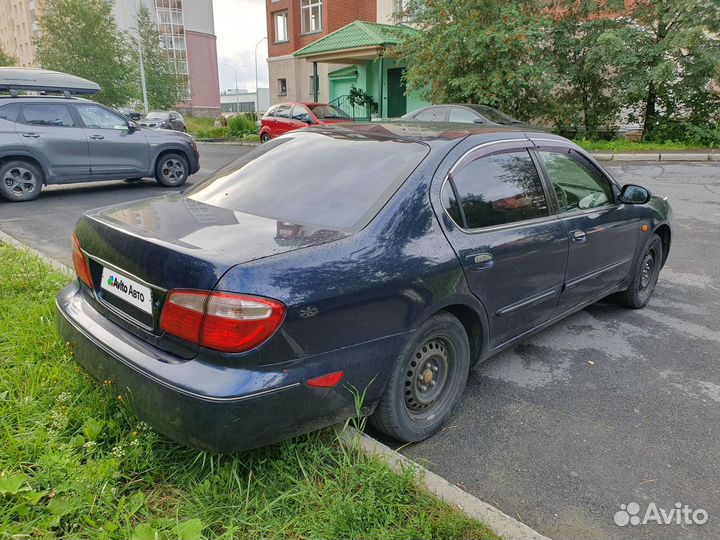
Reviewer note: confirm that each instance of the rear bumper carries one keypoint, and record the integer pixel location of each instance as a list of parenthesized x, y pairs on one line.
[(213, 407)]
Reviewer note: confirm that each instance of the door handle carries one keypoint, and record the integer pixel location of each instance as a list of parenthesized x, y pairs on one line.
[(578, 236), (31, 135), (480, 261), (97, 137)]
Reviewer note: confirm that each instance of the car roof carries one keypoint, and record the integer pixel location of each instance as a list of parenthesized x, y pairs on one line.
[(435, 132)]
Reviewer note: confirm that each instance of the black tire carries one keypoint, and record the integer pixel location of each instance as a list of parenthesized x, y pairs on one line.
[(645, 276), (427, 382), (264, 138), (171, 170), (20, 181)]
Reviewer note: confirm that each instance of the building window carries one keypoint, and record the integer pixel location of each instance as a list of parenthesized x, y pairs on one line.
[(282, 87), (281, 26), (311, 16)]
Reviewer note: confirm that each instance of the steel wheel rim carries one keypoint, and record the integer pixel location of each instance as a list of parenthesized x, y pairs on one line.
[(19, 181), (426, 375), (173, 170), (647, 269)]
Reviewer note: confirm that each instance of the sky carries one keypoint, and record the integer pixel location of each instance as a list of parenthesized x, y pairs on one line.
[(239, 25)]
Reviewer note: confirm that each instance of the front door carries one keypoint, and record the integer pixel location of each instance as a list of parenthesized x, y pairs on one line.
[(282, 123), (601, 235), (512, 248), (52, 134), (115, 151), (397, 101)]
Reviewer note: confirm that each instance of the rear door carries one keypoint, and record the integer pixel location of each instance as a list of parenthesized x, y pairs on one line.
[(601, 234), (115, 151), (512, 247), (283, 123), (51, 132)]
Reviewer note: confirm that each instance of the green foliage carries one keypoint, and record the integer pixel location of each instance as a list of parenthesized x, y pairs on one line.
[(6, 59), (75, 462), (213, 133), (81, 37), (360, 98), (480, 51), (242, 124), (162, 83), (623, 145), (700, 135), (666, 61)]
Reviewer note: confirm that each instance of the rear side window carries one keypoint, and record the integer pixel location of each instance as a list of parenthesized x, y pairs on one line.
[(495, 190), (47, 114), (433, 114), (271, 112), (10, 111), (328, 180), (283, 111)]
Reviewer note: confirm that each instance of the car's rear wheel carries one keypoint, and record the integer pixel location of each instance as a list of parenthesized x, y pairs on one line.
[(171, 170), (264, 138), (20, 181), (645, 276), (427, 382)]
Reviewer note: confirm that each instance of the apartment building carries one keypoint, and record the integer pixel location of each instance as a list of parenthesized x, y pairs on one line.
[(187, 32), (294, 24)]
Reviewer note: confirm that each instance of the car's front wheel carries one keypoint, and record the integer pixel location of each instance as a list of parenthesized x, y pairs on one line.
[(645, 276), (427, 381), (171, 170), (20, 181)]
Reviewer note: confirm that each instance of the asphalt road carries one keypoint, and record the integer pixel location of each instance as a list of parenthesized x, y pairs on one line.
[(47, 222), (608, 407)]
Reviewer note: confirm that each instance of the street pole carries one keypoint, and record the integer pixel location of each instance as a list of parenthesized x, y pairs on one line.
[(143, 83), (237, 88), (257, 92)]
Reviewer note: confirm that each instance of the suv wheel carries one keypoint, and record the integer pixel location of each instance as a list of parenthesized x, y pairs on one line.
[(171, 170), (428, 381), (20, 181)]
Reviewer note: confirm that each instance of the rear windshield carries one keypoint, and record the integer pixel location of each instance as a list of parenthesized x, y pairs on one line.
[(322, 179), (328, 112)]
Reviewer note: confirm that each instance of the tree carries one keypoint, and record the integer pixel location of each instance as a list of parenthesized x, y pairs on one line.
[(161, 81), (6, 59), (585, 93), (480, 51), (668, 61), (81, 37)]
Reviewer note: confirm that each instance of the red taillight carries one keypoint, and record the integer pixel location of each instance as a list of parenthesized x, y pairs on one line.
[(80, 264), (221, 321), (326, 381)]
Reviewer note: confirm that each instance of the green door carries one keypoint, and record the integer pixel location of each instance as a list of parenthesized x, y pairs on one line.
[(397, 101)]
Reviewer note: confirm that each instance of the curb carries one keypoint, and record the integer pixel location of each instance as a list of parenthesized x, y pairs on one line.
[(502, 524), (57, 265), (227, 143), (657, 156)]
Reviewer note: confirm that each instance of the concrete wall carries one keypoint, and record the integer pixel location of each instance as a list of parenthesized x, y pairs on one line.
[(297, 72), (203, 68)]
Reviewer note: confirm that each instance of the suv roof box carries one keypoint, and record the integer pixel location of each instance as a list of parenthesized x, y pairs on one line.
[(15, 79)]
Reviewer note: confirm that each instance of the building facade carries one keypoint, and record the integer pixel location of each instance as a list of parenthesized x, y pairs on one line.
[(294, 24), (187, 33), (242, 101)]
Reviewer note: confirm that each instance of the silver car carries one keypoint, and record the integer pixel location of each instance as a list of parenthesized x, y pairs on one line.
[(59, 140)]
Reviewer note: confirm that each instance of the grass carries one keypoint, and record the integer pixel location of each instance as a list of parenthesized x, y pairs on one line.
[(75, 462), (620, 145), (204, 128)]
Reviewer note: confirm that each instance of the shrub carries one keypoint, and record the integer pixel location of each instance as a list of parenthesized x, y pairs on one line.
[(213, 133), (242, 124), (700, 135)]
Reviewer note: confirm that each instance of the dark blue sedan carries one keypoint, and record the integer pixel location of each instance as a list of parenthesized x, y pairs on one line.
[(377, 258)]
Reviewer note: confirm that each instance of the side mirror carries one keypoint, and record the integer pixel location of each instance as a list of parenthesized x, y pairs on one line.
[(632, 194)]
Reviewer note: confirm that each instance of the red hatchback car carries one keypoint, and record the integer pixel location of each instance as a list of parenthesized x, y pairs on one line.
[(285, 117)]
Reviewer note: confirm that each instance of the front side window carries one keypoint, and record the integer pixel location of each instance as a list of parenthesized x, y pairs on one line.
[(281, 26), (577, 186), (311, 16), (283, 111), (99, 118), (460, 114), (47, 114), (495, 190), (324, 180), (300, 113)]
